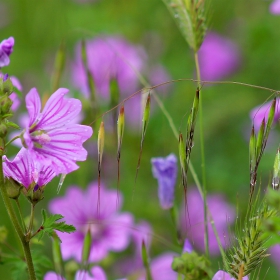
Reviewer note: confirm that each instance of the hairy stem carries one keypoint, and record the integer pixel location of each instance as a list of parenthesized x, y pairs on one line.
[(206, 238), (15, 222)]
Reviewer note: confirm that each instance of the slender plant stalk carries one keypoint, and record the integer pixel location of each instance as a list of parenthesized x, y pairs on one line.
[(29, 231), (206, 237), (15, 222), (12, 140), (20, 215)]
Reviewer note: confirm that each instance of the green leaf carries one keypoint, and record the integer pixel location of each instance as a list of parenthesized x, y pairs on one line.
[(12, 124), (50, 223)]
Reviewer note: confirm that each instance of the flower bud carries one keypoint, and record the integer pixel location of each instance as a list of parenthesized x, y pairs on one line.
[(6, 86), (5, 104), (3, 130), (13, 188), (34, 194)]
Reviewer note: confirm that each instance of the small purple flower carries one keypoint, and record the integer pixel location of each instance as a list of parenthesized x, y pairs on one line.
[(110, 229), (275, 7), (261, 112), (188, 248), (26, 171), (222, 275), (6, 48), (165, 171), (222, 213), (52, 136), (161, 268), (96, 272), (218, 57)]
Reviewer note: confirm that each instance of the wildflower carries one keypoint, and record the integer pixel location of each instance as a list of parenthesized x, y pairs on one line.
[(275, 7), (6, 48), (261, 112), (96, 272), (218, 57), (165, 171), (222, 213), (110, 229), (26, 171), (52, 136), (109, 58), (161, 268), (222, 275)]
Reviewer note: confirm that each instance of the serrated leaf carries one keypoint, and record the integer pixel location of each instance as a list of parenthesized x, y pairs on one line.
[(50, 224)]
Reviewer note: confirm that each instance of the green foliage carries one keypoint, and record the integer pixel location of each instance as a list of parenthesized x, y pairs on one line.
[(251, 248), (50, 224), (192, 266), (190, 17)]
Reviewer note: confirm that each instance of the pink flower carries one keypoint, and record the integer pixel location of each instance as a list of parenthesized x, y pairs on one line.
[(110, 229), (6, 48), (51, 135), (275, 7), (223, 215), (261, 112), (109, 58), (26, 171), (161, 268), (274, 252), (96, 271), (222, 275), (218, 57)]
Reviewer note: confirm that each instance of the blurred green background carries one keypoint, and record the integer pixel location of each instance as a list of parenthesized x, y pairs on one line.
[(39, 27)]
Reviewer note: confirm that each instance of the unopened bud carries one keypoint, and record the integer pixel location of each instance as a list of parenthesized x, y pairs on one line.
[(3, 130), (5, 104), (13, 188), (6, 86), (35, 194)]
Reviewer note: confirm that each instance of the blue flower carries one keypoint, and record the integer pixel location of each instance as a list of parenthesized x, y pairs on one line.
[(165, 171)]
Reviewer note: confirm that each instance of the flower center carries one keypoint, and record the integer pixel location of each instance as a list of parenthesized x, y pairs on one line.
[(40, 138)]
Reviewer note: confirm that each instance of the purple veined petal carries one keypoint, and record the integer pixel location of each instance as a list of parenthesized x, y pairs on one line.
[(6, 48), (59, 111), (25, 170), (20, 169), (33, 105), (274, 7)]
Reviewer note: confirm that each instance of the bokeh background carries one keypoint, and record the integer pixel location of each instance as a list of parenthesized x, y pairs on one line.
[(39, 28)]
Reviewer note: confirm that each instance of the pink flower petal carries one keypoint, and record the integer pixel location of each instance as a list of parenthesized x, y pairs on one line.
[(33, 105)]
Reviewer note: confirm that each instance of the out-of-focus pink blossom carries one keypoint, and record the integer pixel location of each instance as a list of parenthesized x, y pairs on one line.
[(261, 112), (218, 57), (6, 48), (222, 275), (161, 268), (110, 229), (51, 136), (222, 213), (97, 273), (274, 7), (274, 252)]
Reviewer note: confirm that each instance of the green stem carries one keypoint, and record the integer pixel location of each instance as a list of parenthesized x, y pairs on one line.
[(15, 222), (12, 140), (20, 215), (30, 227), (206, 238)]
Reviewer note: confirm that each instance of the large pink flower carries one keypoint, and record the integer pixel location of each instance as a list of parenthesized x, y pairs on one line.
[(26, 171), (110, 229), (6, 48), (51, 135)]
